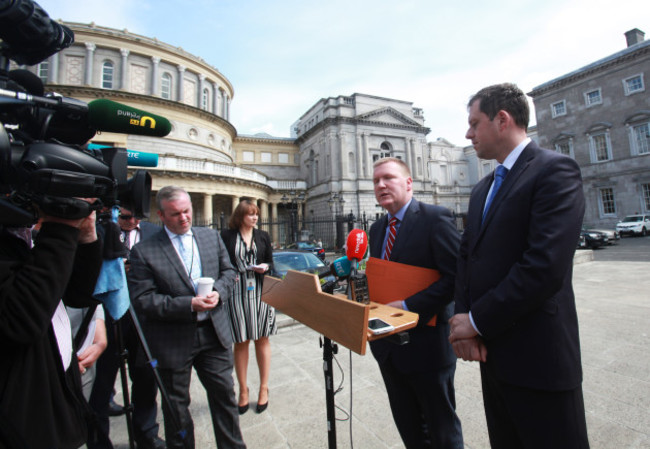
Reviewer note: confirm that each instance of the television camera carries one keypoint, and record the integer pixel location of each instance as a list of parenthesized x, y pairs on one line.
[(45, 161)]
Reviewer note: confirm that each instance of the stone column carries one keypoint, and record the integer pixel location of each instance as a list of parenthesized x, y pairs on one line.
[(264, 209), (53, 75), (155, 75), (366, 156), (360, 154), (215, 100), (407, 153), (125, 69), (90, 63), (207, 209), (274, 218), (181, 81), (235, 203), (200, 94)]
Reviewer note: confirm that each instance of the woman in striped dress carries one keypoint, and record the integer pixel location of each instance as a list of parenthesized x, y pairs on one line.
[(251, 319)]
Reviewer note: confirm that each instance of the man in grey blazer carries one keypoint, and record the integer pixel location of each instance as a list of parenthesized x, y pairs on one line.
[(185, 330)]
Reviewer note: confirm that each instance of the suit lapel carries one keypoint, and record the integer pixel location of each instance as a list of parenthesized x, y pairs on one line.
[(169, 252), (207, 259), (377, 237), (406, 229), (509, 183)]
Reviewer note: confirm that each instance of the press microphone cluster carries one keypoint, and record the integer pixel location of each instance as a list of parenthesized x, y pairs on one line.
[(357, 245), (340, 269)]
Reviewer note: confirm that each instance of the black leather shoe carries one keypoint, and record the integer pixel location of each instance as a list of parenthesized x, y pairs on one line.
[(261, 407), (242, 408), (152, 443), (115, 409)]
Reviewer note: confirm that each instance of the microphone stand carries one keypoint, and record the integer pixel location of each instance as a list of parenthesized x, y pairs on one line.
[(329, 349)]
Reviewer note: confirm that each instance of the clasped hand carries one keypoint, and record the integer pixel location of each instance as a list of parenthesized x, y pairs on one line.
[(205, 303), (467, 344)]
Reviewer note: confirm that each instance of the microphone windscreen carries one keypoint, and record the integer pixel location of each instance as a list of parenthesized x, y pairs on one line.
[(111, 116), (342, 267), (357, 244)]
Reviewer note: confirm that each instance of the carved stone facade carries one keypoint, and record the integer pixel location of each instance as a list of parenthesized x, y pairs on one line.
[(329, 156), (600, 115)]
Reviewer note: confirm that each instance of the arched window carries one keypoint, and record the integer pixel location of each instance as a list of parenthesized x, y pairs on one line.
[(107, 75), (166, 86), (205, 99)]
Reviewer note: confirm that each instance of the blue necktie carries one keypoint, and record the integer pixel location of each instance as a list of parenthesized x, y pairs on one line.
[(499, 174), (190, 257)]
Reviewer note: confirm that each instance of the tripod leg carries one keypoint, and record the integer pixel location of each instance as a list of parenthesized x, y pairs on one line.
[(123, 355), (154, 366)]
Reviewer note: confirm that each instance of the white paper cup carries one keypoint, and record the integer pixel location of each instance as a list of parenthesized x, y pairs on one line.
[(204, 286)]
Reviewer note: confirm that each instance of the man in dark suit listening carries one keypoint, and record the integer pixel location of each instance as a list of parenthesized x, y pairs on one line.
[(419, 376), (515, 307), (143, 387), (185, 330)]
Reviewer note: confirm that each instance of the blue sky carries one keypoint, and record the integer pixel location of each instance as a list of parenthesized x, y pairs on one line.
[(283, 56)]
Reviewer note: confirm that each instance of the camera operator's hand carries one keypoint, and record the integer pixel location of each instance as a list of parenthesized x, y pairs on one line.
[(86, 226)]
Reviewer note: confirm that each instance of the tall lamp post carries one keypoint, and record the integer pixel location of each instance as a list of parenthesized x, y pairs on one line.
[(292, 202)]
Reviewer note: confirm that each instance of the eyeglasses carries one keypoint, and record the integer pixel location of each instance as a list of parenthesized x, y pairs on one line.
[(125, 217)]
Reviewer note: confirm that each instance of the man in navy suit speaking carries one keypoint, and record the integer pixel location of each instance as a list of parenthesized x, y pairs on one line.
[(515, 307), (419, 376)]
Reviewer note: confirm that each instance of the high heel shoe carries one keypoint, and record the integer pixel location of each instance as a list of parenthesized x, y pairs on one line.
[(261, 407), (244, 408)]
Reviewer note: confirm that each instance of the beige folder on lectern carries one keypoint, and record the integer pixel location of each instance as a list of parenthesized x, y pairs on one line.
[(393, 281)]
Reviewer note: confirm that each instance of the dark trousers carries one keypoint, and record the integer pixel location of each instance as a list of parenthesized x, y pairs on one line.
[(143, 386), (524, 418), (214, 366), (424, 407)]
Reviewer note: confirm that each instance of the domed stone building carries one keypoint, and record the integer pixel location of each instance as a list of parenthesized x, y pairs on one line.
[(322, 172)]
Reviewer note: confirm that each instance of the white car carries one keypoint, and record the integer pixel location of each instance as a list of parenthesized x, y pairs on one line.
[(613, 236), (634, 225)]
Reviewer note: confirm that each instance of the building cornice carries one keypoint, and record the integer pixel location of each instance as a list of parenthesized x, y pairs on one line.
[(139, 40), (336, 121), (602, 65)]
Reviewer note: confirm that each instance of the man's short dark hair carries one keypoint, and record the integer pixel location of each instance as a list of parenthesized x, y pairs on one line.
[(507, 97)]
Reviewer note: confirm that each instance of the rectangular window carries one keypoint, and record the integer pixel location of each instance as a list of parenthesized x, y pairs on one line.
[(645, 191), (283, 158), (641, 138), (266, 157), (43, 71), (558, 109), (608, 206), (600, 148), (563, 147), (107, 75), (248, 156), (633, 84), (593, 97)]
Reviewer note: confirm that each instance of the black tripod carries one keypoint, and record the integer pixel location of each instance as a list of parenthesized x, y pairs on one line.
[(153, 363)]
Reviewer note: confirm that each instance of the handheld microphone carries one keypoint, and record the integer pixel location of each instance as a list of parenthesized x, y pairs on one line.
[(357, 245), (111, 116), (340, 268), (133, 158)]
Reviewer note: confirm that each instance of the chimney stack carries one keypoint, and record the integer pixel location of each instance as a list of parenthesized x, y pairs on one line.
[(634, 37)]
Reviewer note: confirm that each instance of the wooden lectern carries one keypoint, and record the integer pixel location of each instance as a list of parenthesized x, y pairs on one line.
[(337, 318)]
